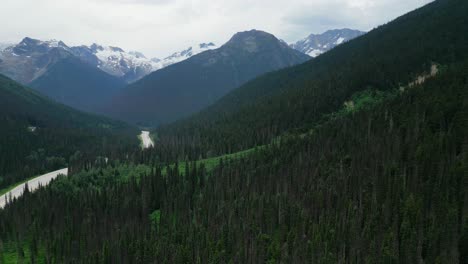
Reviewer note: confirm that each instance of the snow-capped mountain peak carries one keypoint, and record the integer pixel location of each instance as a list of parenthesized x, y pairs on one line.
[(53, 43), (130, 66), (316, 44), (31, 58), (28, 46), (116, 61), (187, 53), (137, 54)]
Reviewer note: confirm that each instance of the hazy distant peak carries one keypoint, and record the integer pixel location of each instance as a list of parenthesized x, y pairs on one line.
[(316, 44)]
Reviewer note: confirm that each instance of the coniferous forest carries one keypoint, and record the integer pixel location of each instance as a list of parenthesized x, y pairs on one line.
[(389, 186), (38, 135), (365, 163), (385, 59)]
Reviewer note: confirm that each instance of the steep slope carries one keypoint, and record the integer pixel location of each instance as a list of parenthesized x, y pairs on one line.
[(131, 66), (316, 44), (52, 68), (38, 134), (384, 184), (185, 54), (384, 181), (78, 84), (188, 86), (82, 77), (31, 58), (128, 66), (386, 58)]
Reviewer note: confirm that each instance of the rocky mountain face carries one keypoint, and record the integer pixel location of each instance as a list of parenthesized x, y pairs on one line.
[(31, 58), (185, 54), (164, 96), (130, 66), (133, 65), (52, 68), (316, 44), (28, 60)]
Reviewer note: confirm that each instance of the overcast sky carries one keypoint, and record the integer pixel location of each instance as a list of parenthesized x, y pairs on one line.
[(161, 27)]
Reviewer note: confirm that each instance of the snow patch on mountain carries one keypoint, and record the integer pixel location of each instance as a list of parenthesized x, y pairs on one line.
[(316, 44), (25, 61), (339, 40), (30, 58), (117, 62), (132, 65), (185, 54), (314, 52)]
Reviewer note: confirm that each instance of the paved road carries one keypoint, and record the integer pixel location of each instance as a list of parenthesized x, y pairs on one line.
[(46, 178), (32, 185), (146, 139)]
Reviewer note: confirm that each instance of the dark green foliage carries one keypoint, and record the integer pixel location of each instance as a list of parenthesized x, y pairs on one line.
[(381, 180), (385, 184), (77, 84), (38, 135), (386, 58)]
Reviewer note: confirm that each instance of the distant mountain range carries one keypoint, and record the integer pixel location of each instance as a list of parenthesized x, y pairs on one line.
[(186, 87), (357, 156), (83, 77), (29, 59), (90, 78), (316, 44), (131, 66)]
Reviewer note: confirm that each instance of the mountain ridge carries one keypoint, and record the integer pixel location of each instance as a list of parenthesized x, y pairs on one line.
[(316, 44), (18, 60), (163, 96), (131, 66), (299, 96)]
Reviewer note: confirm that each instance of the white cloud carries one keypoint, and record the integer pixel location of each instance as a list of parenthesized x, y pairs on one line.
[(160, 27)]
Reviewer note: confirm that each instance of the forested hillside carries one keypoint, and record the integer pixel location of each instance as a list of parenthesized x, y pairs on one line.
[(358, 156), (386, 58), (384, 182), (39, 135)]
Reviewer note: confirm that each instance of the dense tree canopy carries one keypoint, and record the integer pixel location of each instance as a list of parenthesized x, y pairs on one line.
[(386, 58), (367, 163), (383, 184), (39, 135)]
